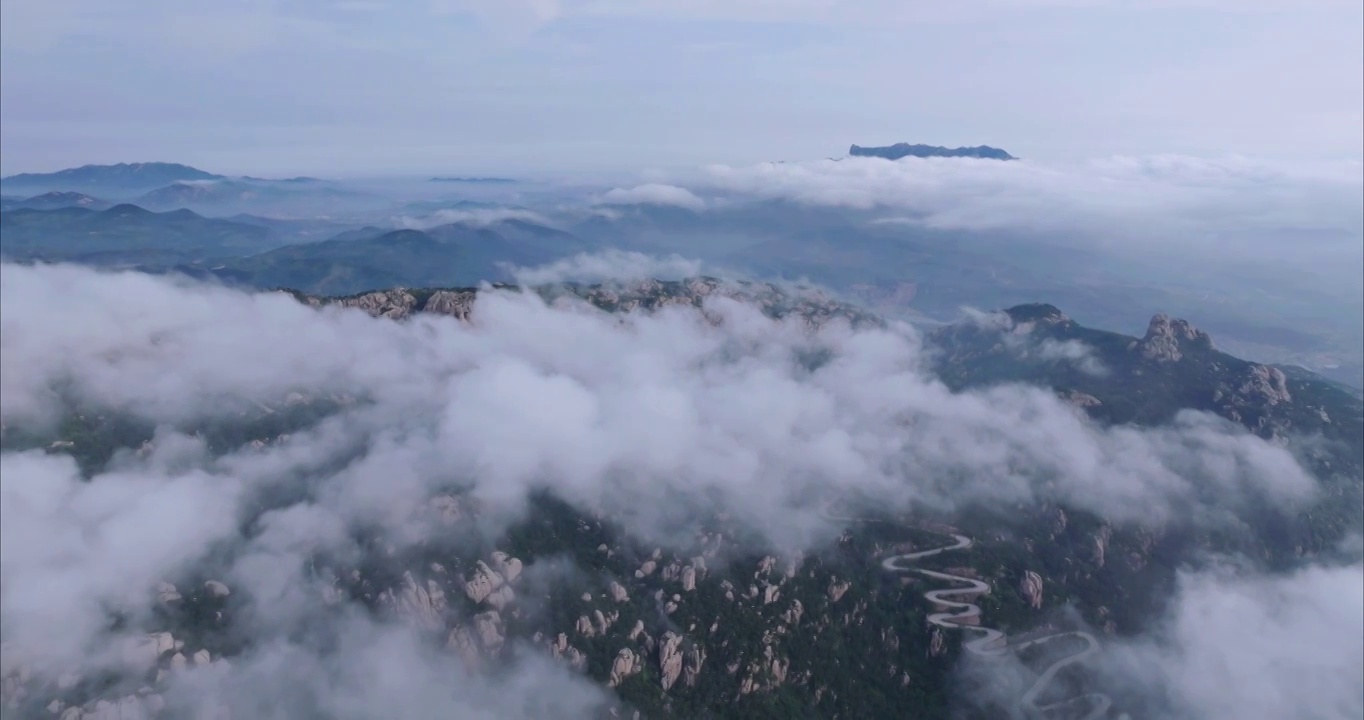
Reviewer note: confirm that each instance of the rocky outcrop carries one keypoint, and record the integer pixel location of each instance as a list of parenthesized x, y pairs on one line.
[(394, 304), (484, 583), (670, 659), (1030, 586), (694, 660), (217, 589), (167, 594), (455, 303), (1265, 384), (422, 605), (1099, 545), (488, 625), (838, 589), (1168, 340), (508, 567), (627, 663)]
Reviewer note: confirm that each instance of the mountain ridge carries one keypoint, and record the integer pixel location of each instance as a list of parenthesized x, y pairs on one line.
[(904, 149)]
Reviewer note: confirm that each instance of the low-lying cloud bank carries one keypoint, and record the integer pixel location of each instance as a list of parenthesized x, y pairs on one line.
[(1307, 216), (1233, 643), (763, 419)]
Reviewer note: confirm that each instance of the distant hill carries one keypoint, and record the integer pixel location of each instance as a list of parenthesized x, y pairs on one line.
[(291, 197), (369, 258), (901, 150), (54, 200), (475, 180), (121, 178), (125, 235)]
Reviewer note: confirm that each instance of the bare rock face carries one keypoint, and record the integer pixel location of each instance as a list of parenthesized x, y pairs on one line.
[(462, 642), (695, 658), (618, 592), (421, 605), (458, 304), (1265, 384), (1081, 400), (217, 589), (1099, 544), (394, 304), (627, 663), (488, 625), (794, 613), (1059, 522), (1167, 340), (508, 567), (670, 659), (688, 578), (770, 594), (144, 652), (484, 582), (167, 594), (838, 589), (646, 569), (937, 645), (1031, 588)]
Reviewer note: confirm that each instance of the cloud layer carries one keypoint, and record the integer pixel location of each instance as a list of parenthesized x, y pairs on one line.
[(640, 416)]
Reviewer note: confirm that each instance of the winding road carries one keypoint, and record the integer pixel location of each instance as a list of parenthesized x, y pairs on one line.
[(958, 614)]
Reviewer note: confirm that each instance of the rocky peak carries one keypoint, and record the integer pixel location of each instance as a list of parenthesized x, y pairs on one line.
[(1168, 339), (1040, 313)]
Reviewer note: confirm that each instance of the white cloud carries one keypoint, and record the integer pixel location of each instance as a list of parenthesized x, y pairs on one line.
[(636, 416), (654, 194), (608, 266), (1257, 647), (476, 216)]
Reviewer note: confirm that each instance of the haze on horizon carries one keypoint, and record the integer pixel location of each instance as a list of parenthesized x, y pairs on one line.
[(368, 87)]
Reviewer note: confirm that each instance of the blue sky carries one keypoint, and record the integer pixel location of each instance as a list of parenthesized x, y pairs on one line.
[(556, 86)]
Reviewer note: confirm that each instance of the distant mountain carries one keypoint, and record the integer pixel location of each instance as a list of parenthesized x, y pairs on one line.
[(901, 150), (125, 235), (55, 200), (475, 180), (370, 258), (121, 178), (296, 196)]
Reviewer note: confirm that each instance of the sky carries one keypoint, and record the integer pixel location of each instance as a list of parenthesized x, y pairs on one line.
[(545, 87)]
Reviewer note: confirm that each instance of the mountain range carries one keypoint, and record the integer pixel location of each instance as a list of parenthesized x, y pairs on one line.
[(902, 150)]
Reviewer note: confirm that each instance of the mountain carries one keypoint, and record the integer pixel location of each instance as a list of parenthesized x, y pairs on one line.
[(475, 180), (714, 624), (370, 258), (112, 180), (901, 150), (125, 235), (53, 201), (293, 197)]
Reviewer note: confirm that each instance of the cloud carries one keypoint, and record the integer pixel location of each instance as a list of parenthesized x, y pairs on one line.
[(1256, 646), (374, 670), (1233, 642), (640, 417), (1167, 191), (608, 266), (477, 216), (654, 194), (1150, 219)]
